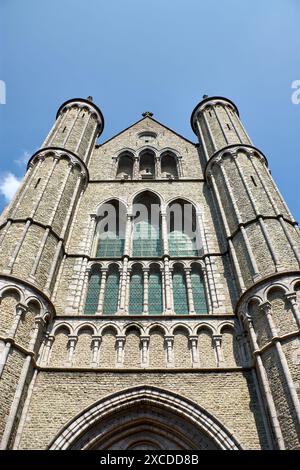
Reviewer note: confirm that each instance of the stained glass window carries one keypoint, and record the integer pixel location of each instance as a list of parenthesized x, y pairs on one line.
[(136, 297), (198, 291), (179, 292), (184, 237), (110, 246), (155, 292), (111, 291), (92, 297), (181, 245), (111, 230), (146, 240)]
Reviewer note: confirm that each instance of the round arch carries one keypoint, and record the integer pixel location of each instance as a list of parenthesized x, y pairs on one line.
[(120, 420)]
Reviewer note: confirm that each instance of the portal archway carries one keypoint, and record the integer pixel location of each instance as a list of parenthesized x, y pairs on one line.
[(144, 417)]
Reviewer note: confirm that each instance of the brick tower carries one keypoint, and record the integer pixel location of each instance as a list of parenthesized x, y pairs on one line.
[(150, 291)]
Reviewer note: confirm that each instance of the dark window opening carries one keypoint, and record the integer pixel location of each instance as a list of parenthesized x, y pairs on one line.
[(64, 129), (228, 126), (253, 181), (37, 183)]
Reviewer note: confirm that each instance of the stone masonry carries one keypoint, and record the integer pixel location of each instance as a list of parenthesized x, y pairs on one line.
[(221, 373)]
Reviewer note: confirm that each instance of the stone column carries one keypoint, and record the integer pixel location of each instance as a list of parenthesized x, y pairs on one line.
[(90, 242), (72, 340), (267, 309), (292, 300), (49, 340), (168, 288), (135, 173), (102, 291), (157, 168), (83, 290), (189, 291), (269, 402), (128, 233), (217, 343), (193, 339), (127, 290), (146, 291), (145, 349), (123, 284), (120, 340), (20, 310), (96, 341), (169, 340), (164, 232)]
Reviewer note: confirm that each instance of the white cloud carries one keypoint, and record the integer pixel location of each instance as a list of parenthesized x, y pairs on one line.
[(23, 159), (9, 184)]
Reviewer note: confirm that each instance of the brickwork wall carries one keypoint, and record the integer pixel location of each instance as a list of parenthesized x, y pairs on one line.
[(7, 312), (280, 393), (157, 354), (182, 353), (108, 349), (8, 384), (132, 353), (59, 397), (207, 356), (282, 314)]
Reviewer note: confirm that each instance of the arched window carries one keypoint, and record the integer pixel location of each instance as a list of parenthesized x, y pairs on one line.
[(125, 166), (147, 226), (111, 298), (199, 296), (181, 305), (155, 295), (147, 164), (110, 230), (183, 234), (136, 296), (92, 297), (169, 165)]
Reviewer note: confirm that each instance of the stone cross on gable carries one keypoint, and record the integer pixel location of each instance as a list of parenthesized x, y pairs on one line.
[(147, 113)]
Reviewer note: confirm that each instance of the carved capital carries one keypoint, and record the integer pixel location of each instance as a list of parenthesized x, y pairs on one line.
[(291, 298), (266, 308)]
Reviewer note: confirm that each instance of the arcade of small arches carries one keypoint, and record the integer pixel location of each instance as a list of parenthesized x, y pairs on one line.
[(148, 163), (137, 345), (272, 312), (144, 290)]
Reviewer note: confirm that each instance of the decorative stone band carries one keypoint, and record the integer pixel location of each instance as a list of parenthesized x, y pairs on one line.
[(232, 150), (284, 281), (60, 153), (25, 293), (206, 103), (83, 104), (189, 411)]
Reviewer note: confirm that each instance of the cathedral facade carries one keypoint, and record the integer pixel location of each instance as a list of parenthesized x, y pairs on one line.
[(149, 291)]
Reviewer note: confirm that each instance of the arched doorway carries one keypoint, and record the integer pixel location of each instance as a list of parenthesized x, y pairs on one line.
[(144, 418)]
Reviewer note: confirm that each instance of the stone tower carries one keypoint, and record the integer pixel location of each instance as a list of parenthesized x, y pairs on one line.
[(149, 290)]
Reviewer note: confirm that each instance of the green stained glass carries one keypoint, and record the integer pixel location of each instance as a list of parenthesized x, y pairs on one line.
[(110, 246), (198, 293), (181, 245), (155, 293), (111, 292), (136, 297), (92, 297), (146, 240), (180, 293)]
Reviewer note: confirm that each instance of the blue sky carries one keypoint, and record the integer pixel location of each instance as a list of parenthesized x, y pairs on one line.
[(158, 55)]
